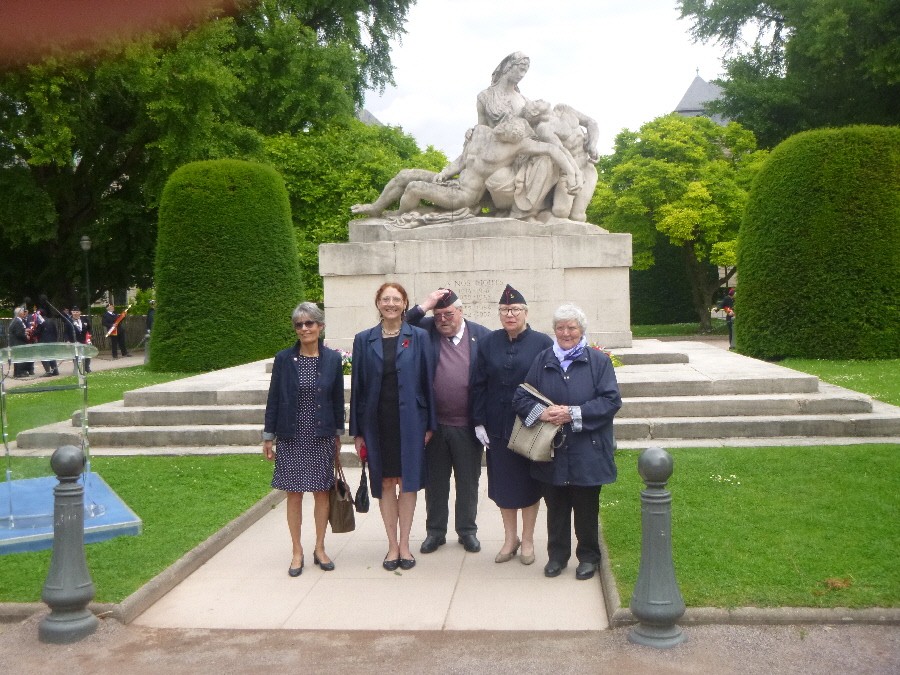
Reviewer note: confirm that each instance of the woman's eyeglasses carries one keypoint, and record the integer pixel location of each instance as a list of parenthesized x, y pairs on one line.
[(305, 324), (511, 311)]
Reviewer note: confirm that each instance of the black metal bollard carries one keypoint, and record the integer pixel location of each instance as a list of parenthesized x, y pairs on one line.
[(656, 602), (68, 588)]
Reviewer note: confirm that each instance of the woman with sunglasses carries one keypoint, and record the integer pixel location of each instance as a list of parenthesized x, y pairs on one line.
[(305, 413)]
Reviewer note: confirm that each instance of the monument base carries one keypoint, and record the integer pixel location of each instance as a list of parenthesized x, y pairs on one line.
[(551, 264)]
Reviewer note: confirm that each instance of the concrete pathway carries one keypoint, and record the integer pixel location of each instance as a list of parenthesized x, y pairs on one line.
[(246, 585), (99, 363)]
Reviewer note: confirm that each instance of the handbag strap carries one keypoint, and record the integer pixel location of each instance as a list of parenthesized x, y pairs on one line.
[(534, 392)]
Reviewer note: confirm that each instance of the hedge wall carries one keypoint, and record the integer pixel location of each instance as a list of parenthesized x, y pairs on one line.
[(227, 276), (661, 294), (819, 248)]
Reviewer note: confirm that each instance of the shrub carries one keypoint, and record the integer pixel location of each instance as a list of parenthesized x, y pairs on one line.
[(227, 276), (819, 248)]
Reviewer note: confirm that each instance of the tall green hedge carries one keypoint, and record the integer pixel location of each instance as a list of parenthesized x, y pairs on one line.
[(661, 294), (227, 276), (819, 248)]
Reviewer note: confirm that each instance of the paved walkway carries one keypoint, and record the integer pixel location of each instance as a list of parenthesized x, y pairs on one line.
[(99, 363), (246, 585)]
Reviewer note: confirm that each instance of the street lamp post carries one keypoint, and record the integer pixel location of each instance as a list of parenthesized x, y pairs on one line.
[(86, 246)]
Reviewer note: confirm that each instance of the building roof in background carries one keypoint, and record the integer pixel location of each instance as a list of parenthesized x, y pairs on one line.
[(366, 117), (693, 103)]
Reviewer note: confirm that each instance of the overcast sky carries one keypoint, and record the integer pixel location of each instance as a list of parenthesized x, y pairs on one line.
[(622, 62)]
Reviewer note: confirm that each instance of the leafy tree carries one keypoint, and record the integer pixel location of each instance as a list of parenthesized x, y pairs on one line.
[(684, 179), (226, 253), (332, 167), (88, 141), (811, 63)]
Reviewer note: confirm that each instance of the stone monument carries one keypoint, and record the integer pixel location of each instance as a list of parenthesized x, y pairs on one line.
[(509, 209)]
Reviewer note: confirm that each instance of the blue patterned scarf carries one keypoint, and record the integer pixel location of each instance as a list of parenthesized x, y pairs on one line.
[(566, 358)]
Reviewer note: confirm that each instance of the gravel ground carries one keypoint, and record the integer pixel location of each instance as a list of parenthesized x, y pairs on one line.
[(719, 649)]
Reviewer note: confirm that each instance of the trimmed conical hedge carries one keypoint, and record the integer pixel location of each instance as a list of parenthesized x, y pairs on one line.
[(227, 275), (819, 248)]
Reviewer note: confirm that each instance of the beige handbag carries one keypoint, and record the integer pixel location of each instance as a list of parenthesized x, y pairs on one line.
[(538, 441)]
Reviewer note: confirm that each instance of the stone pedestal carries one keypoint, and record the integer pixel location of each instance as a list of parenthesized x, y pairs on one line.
[(554, 263)]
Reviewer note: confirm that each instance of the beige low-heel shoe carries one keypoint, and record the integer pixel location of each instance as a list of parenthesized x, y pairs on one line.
[(527, 559), (506, 557)]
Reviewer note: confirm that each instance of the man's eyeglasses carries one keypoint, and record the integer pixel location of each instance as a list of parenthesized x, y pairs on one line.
[(444, 316), (305, 324), (511, 311)]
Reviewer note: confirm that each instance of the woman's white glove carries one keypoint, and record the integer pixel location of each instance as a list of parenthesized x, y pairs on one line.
[(481, 435)]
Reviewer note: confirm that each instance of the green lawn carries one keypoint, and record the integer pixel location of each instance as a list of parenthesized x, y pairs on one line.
[(719, 327), (879, 378), (181, 500), (769, 527)]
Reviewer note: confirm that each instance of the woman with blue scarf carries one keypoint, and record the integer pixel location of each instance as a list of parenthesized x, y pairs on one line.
[(582, 384)]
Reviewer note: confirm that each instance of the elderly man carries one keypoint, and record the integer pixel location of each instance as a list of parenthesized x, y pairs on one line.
[(453, 446), (17, 337)]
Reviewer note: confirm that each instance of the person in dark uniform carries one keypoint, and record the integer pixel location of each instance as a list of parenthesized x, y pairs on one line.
[(79, 330), (305, 412), (392, 415), (117, 338), (46, 331), (504, 358), (18, 337)]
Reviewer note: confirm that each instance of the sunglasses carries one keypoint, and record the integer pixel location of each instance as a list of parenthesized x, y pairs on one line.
[(305, 324)]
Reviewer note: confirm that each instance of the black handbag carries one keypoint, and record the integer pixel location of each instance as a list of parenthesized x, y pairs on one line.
[(340, 513), (362, 493)]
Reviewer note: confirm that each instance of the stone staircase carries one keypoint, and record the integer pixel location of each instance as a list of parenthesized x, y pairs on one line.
[(674, 393)]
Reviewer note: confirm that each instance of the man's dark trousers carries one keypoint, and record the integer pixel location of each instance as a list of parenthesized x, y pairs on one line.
[(456, 449)]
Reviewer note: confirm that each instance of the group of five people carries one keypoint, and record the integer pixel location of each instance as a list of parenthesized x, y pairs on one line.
[(428, 394)]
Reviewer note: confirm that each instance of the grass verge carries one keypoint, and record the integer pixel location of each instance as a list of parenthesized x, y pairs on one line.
[(181, 500), (769, 527), (879, 378), (27, 411), (719, 327)]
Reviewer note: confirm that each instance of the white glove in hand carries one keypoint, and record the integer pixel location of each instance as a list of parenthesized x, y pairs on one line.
[(481, 435)]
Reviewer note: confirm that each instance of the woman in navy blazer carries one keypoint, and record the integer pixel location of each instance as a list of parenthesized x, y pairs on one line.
[(392, 415), (305, 412)]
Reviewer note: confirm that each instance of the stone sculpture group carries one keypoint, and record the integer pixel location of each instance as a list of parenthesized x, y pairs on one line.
[(525, 159)]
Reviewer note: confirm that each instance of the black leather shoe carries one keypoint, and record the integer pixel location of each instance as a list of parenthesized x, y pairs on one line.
[(407, 563), (391, 565), (325, 566), (431, 543), (470, 542), (585, 570), (297, 571), (553, 568)]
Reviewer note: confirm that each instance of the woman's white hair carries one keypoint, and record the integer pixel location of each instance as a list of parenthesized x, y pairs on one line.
[(570, 312)]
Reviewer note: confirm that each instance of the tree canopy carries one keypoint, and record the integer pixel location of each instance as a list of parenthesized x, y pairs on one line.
[(807, 63), (87, 140), (330, 168), (685, 179)]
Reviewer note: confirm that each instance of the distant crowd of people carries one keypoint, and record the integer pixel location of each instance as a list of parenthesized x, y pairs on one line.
[(428, 396), (34, 323)]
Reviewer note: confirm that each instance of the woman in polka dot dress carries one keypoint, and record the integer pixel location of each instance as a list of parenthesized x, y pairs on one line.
[(305, 412)]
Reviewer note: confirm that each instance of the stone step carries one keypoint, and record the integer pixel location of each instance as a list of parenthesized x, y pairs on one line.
[(817, 403), (117, 415), (874, 424), (683, 380), (760, 426)]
